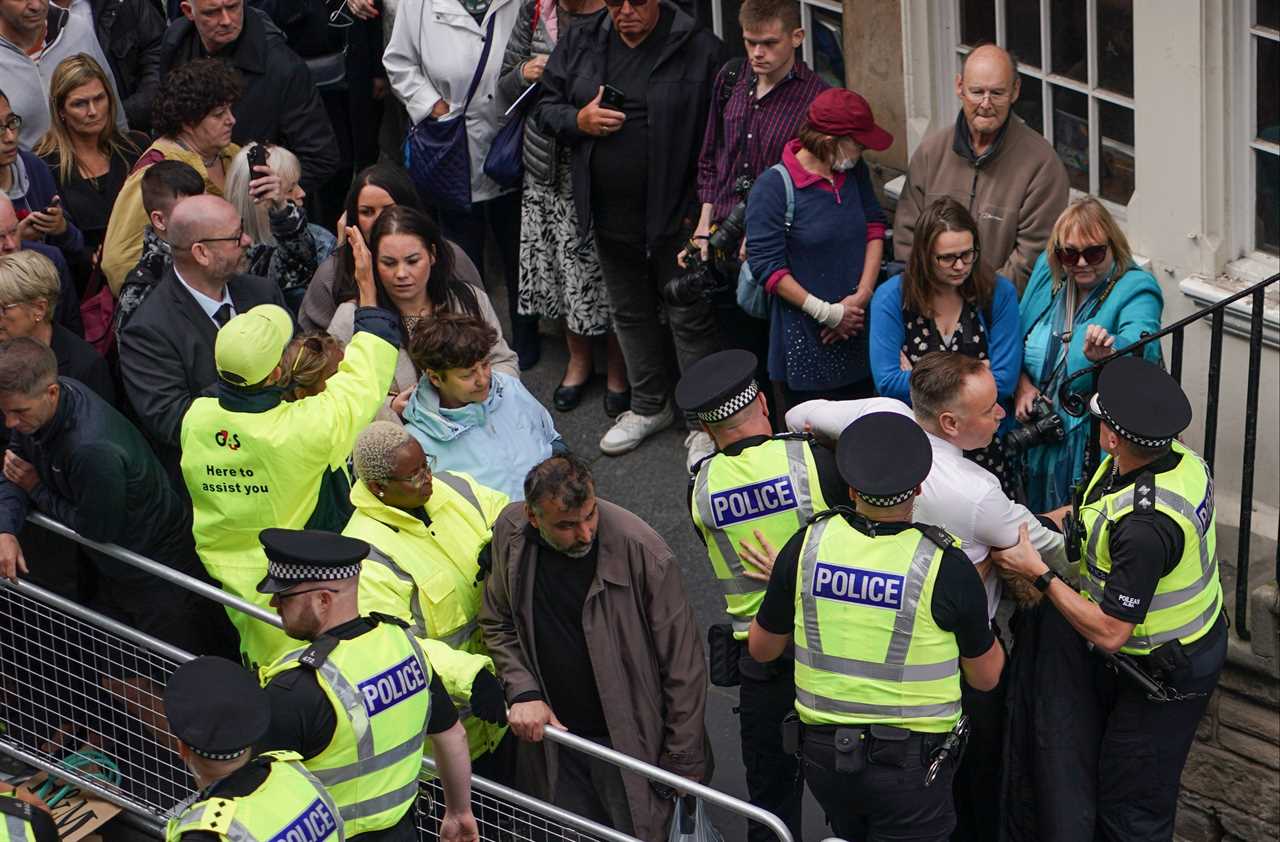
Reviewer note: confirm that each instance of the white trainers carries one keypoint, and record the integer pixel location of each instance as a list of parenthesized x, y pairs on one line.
[(699, 445), (631, 429)]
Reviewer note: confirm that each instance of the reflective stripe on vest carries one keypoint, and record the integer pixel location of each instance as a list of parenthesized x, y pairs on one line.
[(457, 638), (463, 488), (18, 829), (1193, 585), (736, 584), (860, 699)]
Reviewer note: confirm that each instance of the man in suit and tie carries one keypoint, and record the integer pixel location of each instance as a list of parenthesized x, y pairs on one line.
[(166, 348)]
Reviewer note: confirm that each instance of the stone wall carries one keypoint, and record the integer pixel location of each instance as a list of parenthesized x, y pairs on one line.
[(1231, 783)]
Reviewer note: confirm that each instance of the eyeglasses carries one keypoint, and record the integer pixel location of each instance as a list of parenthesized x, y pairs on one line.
[(5, 308), (997, 97), (1093, 255), (421, 475), (635, 4), (237, 237), (964, 257), (281, 597), (13, 124)]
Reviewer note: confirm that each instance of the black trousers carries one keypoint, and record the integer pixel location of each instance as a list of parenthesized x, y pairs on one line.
[(881, 803), (766, 695)]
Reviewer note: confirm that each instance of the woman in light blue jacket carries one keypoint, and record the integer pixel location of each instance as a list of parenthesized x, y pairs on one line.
[(1085, 299), (471, 419)]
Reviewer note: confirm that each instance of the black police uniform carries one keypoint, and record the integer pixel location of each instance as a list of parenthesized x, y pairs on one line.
[(715, 388), (888, 798), (302, 718), (17, 816)]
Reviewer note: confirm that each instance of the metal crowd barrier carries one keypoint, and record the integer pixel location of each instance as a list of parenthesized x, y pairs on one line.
[(70, 677)]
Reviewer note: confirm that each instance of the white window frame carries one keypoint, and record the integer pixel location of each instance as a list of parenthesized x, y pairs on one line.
[(1092, 93), (1252, 259)]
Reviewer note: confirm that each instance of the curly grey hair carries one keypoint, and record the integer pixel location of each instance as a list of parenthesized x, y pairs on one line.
[(376, 448)]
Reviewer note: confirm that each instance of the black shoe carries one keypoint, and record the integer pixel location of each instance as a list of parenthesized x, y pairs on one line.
[(566, 398), (616, 403)]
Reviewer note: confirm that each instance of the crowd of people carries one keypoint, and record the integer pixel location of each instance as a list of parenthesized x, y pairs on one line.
[(246, 330)]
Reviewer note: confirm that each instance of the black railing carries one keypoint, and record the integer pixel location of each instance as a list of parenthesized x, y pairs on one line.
[(1076, 403)]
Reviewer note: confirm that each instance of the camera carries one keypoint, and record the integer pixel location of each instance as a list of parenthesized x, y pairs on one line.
[(1042, 427), (704, 279)]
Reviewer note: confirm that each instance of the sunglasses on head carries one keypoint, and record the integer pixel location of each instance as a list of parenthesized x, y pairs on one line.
[(1068, 256)]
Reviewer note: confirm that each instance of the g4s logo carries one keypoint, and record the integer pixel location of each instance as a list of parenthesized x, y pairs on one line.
[(226, 439)]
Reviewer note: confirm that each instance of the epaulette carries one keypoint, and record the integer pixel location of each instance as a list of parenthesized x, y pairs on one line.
[(318, 652), (379, 617), (937, 535), (826, 513), (1144, 494)]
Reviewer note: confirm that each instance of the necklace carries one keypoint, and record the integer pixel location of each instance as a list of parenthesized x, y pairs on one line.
[(208, 162)]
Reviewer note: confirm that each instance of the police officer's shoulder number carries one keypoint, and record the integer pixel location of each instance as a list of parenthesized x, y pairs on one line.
[(937, 535), (318, 652), (15, 806)]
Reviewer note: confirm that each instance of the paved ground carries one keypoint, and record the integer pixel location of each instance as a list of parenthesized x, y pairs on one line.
[(651, 482)]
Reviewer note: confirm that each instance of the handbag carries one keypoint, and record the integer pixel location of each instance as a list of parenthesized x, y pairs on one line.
[(690, 822), (437, 154), (97, 311), (751, 296), (504, 162)]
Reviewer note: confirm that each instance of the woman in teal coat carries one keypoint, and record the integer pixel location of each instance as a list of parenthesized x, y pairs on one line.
[(1085, 299)]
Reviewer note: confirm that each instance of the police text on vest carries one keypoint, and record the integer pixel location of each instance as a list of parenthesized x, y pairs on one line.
[(748, 502), (316, 824), (853, 584), (392, 686)]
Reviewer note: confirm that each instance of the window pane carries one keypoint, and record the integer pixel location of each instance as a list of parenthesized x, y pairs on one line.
[(1071, 134), (1268, 13), (1264, 89), (1022, 27), (1115, 46), (828, 46), (1030, 104), (977, 21), (732, 31), (1068, 27), (1267, 232), (1116, 151)]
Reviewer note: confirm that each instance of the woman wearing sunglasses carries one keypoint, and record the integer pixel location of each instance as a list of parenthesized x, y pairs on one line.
[(949, 299), (1085, 300)]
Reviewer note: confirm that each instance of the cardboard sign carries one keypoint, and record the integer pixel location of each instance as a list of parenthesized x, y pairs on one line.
[(76, 815)]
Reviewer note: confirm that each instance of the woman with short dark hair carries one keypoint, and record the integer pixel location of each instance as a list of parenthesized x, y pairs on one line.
[(192, 115)]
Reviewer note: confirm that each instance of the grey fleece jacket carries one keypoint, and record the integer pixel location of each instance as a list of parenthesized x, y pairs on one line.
[(25, 81)]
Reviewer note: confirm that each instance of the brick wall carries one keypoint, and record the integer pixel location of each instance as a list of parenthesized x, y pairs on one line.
[(1231, 783)]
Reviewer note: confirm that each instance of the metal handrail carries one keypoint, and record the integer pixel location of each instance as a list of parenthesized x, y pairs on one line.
[(677, 782), (155, 568), (537, 806)]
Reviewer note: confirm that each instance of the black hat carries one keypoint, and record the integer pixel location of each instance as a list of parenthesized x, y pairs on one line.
[(1141, 402), (216, 707), (884, 456), (295, 556), (718, 386)]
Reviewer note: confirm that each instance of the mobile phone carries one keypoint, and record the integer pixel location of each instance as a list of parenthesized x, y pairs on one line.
[(612, 98), (54, 202), (257, 158)]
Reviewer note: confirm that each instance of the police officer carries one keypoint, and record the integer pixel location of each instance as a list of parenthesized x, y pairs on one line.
[(218, 713), (358, 703), (890, 613), (755, 491), (1149, 589), (24, 818)]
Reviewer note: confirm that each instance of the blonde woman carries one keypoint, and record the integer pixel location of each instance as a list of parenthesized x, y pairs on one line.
[(88, 154), (1085, 300), (286, 248), (29, 291)]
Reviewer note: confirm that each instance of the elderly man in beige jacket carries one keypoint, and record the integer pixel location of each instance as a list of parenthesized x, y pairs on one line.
[(586, 619), (1006, 173)]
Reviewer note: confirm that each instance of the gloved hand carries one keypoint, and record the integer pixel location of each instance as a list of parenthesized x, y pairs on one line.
[(484, 559), (488, 699)]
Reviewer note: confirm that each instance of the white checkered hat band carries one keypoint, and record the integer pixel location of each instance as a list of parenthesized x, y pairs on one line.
[(886, 502), (310, 572), (214, 755), (1122, 432), (732, 406)]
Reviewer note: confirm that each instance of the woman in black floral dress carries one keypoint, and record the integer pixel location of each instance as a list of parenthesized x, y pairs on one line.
[(949, 300)]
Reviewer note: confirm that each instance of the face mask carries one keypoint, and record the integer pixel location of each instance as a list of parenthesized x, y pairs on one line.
[(844, 165)]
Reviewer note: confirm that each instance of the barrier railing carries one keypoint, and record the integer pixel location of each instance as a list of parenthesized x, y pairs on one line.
[(1075, 402), (83, 648)]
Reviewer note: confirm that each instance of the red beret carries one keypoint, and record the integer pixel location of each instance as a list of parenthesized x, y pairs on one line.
[(842, 113)]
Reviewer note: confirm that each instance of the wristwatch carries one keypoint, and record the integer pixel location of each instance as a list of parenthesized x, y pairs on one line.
[(1044, 580)]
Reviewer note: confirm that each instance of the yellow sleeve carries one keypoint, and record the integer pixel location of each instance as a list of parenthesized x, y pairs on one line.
[(457, 669), (352, 396), (383, 591), (122, 244)]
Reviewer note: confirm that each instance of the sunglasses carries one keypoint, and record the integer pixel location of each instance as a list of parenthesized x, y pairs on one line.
[(281, 597), (635, 4), (1093, 255)]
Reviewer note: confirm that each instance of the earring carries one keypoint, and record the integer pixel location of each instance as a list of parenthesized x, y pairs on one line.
[(379, 493)]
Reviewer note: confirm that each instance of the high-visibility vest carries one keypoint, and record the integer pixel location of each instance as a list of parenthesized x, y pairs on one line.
[(289, 806), (16, 815), (772, 487), (380, 687), (247, 471), (867, 648), (1188, 599), (428, 577)]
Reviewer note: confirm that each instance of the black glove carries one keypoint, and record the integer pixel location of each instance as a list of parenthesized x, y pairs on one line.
[(488, 699), (485, 561)]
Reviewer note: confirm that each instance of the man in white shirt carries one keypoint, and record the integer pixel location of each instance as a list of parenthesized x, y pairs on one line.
[(954, 400)]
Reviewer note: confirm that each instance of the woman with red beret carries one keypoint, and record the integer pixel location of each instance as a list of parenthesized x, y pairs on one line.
[(821, 268)]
